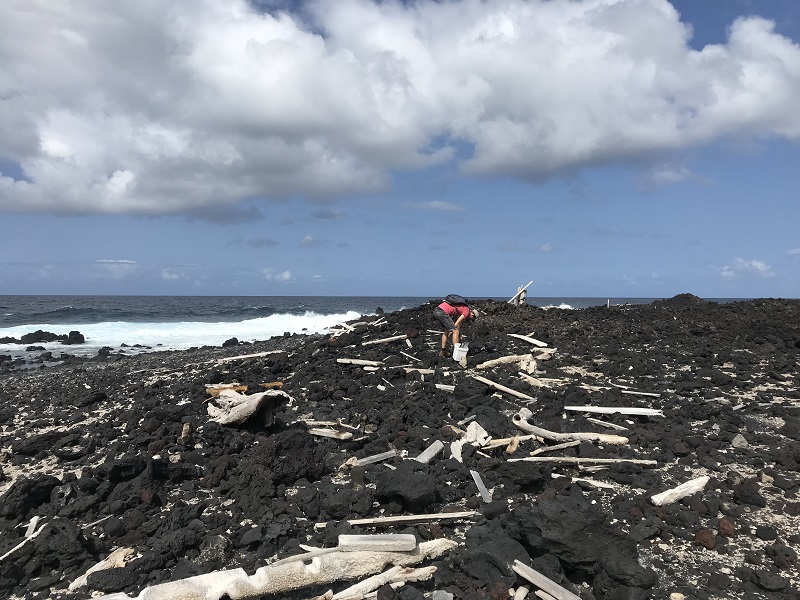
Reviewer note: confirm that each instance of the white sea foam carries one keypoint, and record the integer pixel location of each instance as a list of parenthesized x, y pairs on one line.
[(175, 335)]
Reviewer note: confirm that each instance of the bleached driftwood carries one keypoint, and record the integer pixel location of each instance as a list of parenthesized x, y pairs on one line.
[(521, 420), (541, 381), (394, 338), (383, 542), (597, 484), (233, 408), (505, 360), (331, 433), (393, 575), (542, 582), (494, 443), (368, 460), (606, 424), (235, 584), (503, 388), (529, 339), (575, 461), (411, 357), (359, 361), (215, 388), (519, 291), (430, 452), (634, 393), (476, 434), (411, 518), (243, 356), (445, 388), (544, 449), (486, 496), (623, 410), (521, 592), (682, 491), (420, 371), (27, 539), (114, 560)]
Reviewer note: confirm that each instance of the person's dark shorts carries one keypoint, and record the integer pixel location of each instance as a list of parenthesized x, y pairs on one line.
[(444, 319)]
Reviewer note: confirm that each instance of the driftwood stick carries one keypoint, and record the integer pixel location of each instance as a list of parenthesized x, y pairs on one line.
[(394, 338), (411, 518), (631, 392), (411, 357), (521, 420), (243, 356), (482, 490), (542, 582), (382, 542), (430, 452), (274, 580), (682, 491), (509, 440), (623, 410), (574, 460), (368, 460), (606, 424), (358, 361), (519, 291), (522, 592), (331, 433), (529, 339), (503, 388), (544, 449), (393, 575)]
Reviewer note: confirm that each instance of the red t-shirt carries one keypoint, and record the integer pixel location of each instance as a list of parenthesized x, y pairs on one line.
[(454, 311)]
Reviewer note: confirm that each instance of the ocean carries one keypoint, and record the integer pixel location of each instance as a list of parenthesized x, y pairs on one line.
[(136, 324)]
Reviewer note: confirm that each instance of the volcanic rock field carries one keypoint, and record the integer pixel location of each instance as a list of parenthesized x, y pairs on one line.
[(115, 461)]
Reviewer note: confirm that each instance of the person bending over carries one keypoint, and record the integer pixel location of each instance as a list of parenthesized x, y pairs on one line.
[(451, 317)]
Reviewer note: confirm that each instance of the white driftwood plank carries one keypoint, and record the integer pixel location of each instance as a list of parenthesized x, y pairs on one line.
[(482, 490), (394, 338), (606, 424), (529, 339), (588, 461), (542, 582), (503, 388), (358, 361), (430, 452), (682, 491), (384, 542), (623, 410)]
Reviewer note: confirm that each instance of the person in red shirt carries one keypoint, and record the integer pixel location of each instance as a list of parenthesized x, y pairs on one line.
[(451, 317)]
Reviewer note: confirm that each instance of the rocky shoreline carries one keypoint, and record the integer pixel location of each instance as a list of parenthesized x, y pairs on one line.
[(121, 452)]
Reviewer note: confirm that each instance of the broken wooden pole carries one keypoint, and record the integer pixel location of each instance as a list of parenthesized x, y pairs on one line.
[(519, 291), (521, 420), (529, 339), (482, 489), (503, 388), (358, 361), (682, 491), (542, 582), (377, 521), (623, 410), (368, 460), (382, 542), (575, 460), (385, 340), (544, 449), (430, 452), (607, 424)]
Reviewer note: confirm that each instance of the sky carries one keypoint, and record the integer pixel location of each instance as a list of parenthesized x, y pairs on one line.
[(600, 148)]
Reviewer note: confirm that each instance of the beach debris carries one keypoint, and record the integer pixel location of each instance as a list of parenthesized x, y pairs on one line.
[(521, 420), (430, 452), (548, 585), (682, 491), (585, 461), (529, 339), (503, 388), (486, 496), (233, 408), (623, 410), (526, 362), (215, 388), (114, 560), (394, 338), (398, 519), (288, 576)]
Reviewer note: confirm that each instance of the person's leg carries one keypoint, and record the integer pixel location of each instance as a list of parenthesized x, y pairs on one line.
[(456, 336)]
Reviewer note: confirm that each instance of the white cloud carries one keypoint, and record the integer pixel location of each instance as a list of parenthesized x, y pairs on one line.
[(117, 269), (171, 274), (271, 274), (794, 252), (741, 267), (150, 107), (439, 205), (546, 248)]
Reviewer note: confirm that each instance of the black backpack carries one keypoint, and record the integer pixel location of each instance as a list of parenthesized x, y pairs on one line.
[(456, 300)]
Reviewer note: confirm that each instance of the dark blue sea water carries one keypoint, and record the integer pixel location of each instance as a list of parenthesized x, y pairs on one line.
[(179, 322)]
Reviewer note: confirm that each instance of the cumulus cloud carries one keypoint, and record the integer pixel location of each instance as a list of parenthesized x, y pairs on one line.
[(194, 107), (794, 252), (271, 274), (741, 267)]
